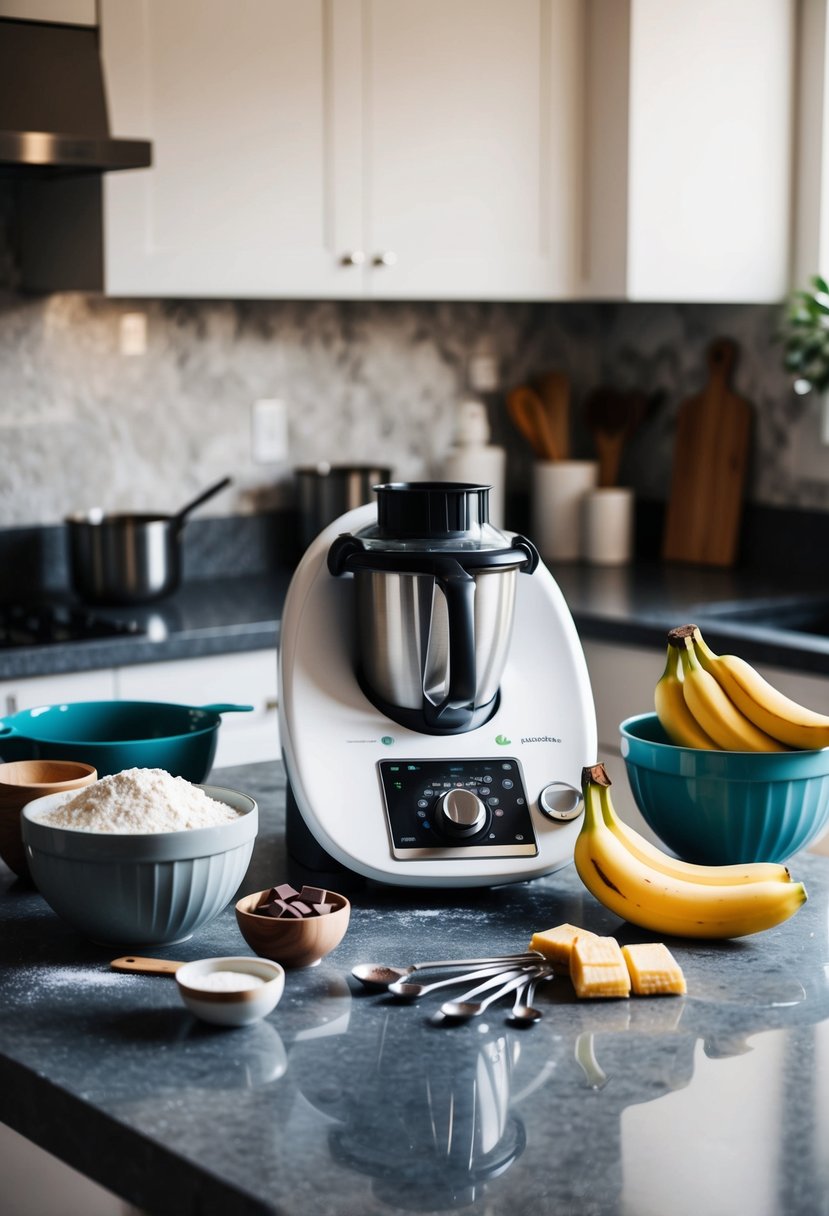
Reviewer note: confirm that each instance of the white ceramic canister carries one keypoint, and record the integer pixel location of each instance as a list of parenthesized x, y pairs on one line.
[(558, 488), (473, 459), (608, 525)]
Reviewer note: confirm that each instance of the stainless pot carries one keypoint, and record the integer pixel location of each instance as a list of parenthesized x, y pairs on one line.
[(327, 491), (128, 558)]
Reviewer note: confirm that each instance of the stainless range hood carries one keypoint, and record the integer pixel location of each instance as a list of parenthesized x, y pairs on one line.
[(53, 111), (55, 147)]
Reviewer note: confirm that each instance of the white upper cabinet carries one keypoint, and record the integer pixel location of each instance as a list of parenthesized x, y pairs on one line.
[(455, 149), (689, 149), (811, 252), (236, 98), (345, 148), (471, 148)]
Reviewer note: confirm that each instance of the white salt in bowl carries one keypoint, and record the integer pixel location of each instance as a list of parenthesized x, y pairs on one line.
[(142, 889), (234, 1006)]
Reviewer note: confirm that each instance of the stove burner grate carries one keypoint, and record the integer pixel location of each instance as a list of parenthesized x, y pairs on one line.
[(49, 624)]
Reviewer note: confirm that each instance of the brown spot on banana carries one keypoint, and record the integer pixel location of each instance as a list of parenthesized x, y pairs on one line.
[(605, 879)]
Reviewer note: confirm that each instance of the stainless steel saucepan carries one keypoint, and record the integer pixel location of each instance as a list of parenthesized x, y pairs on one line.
[(128, 558)]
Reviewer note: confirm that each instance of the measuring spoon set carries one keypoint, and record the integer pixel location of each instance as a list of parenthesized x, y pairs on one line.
[(493, 979)]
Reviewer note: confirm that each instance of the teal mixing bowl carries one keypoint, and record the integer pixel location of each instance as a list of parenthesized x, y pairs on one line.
[(721, 808), (114, 735)]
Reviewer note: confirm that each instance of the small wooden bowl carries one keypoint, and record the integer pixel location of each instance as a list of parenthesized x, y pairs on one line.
[(300, 942), (22, 781)]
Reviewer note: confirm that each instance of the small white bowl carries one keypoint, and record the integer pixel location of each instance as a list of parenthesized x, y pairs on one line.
[(231, 1008)]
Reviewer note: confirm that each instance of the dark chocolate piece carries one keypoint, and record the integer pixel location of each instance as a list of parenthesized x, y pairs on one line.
[(313, 895), (284, 891), (321, 909)]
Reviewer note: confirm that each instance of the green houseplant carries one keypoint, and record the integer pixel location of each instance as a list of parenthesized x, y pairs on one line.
[(805, 337)]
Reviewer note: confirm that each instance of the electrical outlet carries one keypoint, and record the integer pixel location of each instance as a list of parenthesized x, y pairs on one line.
[(132, 334), (269, 431), (483, 373)]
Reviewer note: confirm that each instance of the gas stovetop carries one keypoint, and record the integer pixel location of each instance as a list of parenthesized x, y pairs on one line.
[(48, 624)]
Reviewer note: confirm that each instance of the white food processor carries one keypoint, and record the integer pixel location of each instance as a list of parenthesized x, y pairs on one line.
[(435, 705)]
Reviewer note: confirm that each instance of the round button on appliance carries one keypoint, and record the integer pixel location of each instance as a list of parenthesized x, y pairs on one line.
[(461, 812), (560, 801)]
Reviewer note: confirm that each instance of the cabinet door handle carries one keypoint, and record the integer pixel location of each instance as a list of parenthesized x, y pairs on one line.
[(355, 258), (271, 703), (388, 258)]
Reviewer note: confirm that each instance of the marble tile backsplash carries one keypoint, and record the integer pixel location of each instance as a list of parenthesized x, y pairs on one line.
[(82, 424)]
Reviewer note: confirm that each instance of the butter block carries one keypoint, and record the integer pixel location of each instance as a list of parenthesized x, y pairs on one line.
[(653, 970), (556, 944), (598, 968)]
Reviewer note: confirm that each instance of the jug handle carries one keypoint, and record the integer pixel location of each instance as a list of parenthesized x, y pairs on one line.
[(227, 709), (459, 588)]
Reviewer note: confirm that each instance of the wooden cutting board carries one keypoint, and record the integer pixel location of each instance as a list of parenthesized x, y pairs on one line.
[(713, 436)]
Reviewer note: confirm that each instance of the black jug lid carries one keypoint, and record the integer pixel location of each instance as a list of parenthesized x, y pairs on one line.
[(433, 510)]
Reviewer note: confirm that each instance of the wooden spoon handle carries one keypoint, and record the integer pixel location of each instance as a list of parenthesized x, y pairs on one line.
[(145, 966)]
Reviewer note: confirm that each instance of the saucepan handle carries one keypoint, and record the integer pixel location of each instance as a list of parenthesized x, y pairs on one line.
[(228, 709)]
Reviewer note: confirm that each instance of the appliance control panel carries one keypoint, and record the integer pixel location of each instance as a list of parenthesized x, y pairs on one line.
[(457, 808)]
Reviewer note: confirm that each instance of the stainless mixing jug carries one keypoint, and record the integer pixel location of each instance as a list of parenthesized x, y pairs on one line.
[(435, 593)]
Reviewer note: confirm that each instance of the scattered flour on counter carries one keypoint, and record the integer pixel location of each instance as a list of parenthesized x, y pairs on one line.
[(139, 800)]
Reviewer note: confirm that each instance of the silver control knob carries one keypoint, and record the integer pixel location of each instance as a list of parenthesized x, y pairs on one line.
[(387, 258), (355, 258), (560, 801), (461, 812)]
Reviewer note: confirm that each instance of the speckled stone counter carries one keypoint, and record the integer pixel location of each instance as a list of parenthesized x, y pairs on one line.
[(633, 605), (205, 617), (342, 1103)]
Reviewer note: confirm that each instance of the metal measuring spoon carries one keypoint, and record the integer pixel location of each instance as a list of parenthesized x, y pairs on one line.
[(410, 992), (378, 975), (466, 1007), (522, 1012)]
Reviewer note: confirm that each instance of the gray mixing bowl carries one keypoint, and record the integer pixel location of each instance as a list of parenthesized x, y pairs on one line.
[(151, 889)]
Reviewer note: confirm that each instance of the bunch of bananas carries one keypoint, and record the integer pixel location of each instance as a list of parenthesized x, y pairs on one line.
[(649, 888), (720, 702)]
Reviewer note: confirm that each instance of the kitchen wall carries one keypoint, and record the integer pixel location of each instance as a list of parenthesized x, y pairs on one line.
[(82, 424)]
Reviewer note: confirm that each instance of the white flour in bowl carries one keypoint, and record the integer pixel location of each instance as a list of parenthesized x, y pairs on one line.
[(139, 800)]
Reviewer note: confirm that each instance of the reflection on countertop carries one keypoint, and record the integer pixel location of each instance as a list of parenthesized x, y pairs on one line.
[(631, 605)]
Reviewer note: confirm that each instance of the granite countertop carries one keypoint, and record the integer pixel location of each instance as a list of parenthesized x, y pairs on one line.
[(343, 1102), (633, 605), (205, 617)]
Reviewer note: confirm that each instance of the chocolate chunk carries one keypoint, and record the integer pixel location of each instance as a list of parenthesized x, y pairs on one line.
[(312, 895), (321, 909), (284, 891), (289, 911), (300, 907)]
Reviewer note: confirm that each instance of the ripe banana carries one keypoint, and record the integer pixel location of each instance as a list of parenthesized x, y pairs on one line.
[(713, 709), (643, 895), (715, 876), (675, 717), (768, 708)]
